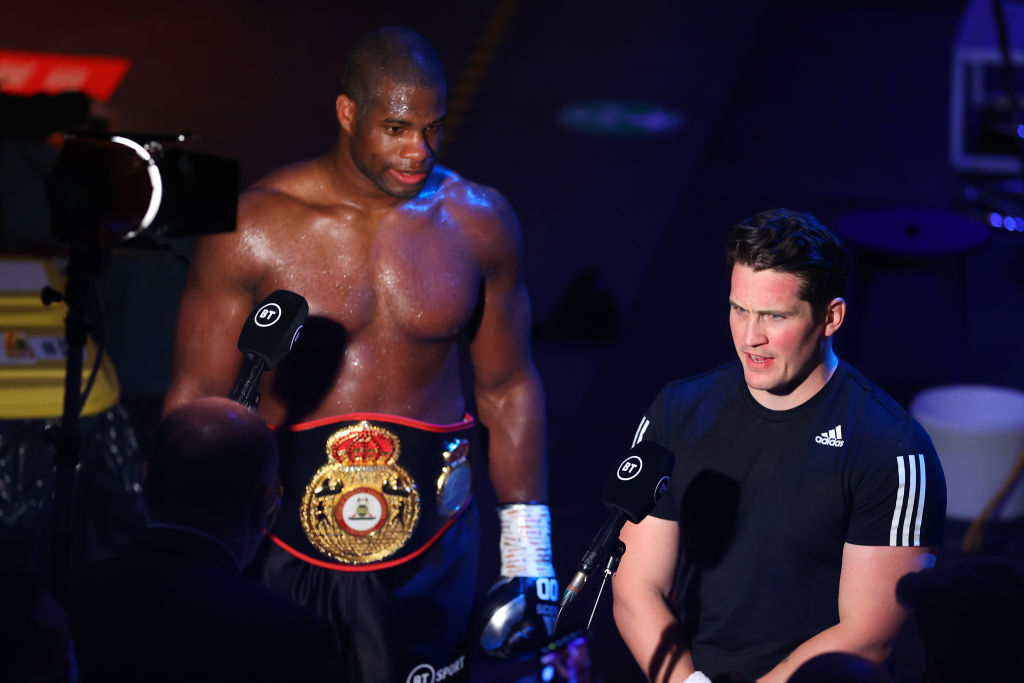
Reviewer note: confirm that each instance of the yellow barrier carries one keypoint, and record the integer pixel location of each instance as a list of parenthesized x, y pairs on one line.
[(32, 356)]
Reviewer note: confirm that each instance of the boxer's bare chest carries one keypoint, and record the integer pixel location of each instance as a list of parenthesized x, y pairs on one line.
[(403, 278)]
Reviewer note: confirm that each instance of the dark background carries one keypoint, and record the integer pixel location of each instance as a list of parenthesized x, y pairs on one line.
[(831, 107)]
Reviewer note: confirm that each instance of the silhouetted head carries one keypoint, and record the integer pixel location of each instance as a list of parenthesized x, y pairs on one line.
[(968, 618), (214, 467)]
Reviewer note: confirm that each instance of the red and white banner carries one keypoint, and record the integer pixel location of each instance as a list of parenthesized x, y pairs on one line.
[(32, 73)]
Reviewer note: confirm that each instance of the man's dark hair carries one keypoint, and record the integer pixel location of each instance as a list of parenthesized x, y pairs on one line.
[(792, 242), (390, 52), (212, 465)]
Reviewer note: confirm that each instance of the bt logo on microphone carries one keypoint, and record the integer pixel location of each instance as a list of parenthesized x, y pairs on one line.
[(630, 468), (267, 315)]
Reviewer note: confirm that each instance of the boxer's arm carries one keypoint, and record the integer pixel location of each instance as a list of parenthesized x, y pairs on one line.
[(217, 298), (511, 406), (640, 590), (510, 403), (509, 395)]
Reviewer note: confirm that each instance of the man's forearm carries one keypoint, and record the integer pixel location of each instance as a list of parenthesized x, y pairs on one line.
[(869, 616), (654, 637), (839, 638)]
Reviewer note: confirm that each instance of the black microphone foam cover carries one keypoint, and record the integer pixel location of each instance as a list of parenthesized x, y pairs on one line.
[(273, 327), (640, 480)]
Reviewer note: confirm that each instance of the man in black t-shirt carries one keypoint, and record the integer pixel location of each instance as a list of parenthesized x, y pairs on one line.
[(801, 493)]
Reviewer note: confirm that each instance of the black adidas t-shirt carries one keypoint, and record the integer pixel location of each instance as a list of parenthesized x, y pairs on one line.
[(766, 500)]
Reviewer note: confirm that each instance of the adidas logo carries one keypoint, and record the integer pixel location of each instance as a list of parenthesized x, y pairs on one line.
[(833, 437)]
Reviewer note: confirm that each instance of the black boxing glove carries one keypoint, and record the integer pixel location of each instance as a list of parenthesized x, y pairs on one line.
[(518, 613)]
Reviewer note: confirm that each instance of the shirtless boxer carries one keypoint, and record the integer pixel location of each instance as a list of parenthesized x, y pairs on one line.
[(409, 263)]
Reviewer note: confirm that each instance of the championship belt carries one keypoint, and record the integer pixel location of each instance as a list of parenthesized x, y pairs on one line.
[(388, 488)]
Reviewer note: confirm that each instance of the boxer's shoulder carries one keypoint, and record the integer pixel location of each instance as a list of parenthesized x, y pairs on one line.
[(270, 214), (481, 213), (287, 191), (469, 198), (288, 202)]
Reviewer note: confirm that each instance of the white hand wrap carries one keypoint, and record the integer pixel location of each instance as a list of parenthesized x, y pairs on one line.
[(525, 540), (697, 677)]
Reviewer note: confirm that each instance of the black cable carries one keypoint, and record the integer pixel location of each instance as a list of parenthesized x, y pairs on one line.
[(100, 339)]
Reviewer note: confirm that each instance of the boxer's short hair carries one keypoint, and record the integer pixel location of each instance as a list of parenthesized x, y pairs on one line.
[(390, 53)]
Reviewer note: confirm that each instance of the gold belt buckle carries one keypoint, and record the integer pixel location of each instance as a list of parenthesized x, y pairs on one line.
[(361, 506)]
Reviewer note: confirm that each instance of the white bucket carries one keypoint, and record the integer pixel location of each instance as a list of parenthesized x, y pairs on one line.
[(978, 432)]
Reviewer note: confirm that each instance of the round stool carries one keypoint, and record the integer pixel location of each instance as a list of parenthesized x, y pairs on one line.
[(912, 240), (978, 432)]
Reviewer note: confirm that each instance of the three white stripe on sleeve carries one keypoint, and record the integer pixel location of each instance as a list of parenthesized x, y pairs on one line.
[(909, 501)]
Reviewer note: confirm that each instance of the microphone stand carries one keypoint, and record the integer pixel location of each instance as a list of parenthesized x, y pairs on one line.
[(246, 390), (85, 261), (614, 556), (613, 564)]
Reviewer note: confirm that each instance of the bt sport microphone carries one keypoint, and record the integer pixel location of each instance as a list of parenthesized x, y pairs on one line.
[(631, 492), (267, 336)]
